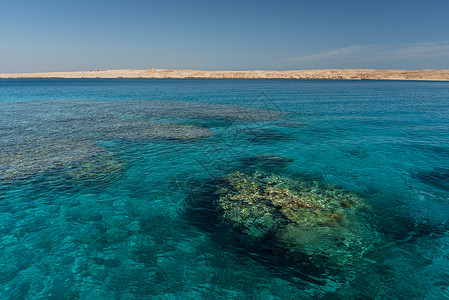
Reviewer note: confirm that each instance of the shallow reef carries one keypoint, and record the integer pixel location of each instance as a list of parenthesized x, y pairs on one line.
[(96, 168), (303, 221), (143, 129), (38, 140), (33, 156), (65, 111)]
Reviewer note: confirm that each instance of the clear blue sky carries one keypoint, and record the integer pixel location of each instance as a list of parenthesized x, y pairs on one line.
[(49, 35)]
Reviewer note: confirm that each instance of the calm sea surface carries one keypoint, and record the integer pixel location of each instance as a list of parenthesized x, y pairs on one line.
[(102, 183)]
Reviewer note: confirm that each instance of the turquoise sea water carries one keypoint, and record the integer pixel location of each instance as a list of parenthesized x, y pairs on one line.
[(98, 181)]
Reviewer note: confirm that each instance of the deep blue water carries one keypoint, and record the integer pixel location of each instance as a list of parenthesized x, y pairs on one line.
[(89, 210)]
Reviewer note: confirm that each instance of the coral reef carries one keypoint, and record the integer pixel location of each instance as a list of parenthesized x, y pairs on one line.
[(142, 129), (95, 168), (33, 156), (38, 140), (303, 220)]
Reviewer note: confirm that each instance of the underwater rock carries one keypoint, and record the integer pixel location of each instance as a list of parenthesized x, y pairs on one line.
[(269, 158), (358, 152), (142, 129), (303, 220), (267, 162), (292, 124), (425, 226), (208, 123), (265, 135), (438, 177), (433, 149)]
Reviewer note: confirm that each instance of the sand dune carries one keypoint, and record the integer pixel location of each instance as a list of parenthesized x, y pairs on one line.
[(368, 74)]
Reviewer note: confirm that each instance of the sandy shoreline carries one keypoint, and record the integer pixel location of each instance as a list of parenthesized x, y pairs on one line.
[(362, 74)]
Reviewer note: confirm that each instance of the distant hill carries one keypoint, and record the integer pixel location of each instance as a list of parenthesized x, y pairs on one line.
[(365, 74)]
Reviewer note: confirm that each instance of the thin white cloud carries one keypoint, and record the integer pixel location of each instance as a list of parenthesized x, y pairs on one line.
[(421, 51), (332, 54), (375, 53)]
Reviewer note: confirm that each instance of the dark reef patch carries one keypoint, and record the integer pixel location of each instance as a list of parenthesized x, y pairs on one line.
[(266, 162), (142, 129), (265, 135), (438, 177)]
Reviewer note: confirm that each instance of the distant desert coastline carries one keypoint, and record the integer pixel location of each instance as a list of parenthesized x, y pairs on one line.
[(362, 74)]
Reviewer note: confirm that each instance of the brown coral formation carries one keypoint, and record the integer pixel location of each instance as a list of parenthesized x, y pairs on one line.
[(302, 218), (33, 156)]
